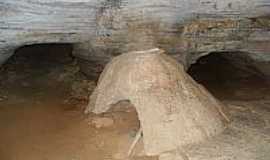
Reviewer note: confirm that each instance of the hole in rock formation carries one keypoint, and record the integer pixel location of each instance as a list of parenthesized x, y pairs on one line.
[(229, 76), (173, 109)]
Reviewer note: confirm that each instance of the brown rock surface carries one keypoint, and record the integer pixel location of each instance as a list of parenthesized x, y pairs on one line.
[(173, 109)]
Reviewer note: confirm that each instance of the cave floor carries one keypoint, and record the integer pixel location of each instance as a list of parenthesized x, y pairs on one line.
[(41, 117)]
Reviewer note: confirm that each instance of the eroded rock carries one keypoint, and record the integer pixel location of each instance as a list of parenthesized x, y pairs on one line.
[(101, 29), (173, 109)]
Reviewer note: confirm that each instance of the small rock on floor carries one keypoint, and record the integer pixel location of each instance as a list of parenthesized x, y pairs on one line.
[(3, 98), (101, 122)]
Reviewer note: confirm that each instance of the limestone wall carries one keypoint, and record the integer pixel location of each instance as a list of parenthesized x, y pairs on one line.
[(101, 29)]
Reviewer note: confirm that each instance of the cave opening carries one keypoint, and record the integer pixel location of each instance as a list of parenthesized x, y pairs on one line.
[(225, 78), (38, 68)]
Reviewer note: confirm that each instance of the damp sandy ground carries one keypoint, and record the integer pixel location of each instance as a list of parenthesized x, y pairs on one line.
[(41, 113), (41, 116)]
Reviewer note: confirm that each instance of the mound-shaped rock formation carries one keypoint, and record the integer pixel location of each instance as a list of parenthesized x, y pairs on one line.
[(173, 109)]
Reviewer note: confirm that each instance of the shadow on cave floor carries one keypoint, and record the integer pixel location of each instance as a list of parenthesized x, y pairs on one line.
[(42, 95)]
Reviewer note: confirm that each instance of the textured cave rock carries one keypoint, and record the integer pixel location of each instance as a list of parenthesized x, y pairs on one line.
[(102, 29), (173, 109), (243, 61)]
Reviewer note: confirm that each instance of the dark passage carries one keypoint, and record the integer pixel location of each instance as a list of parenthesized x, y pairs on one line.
[(228, 79), (38, 68)]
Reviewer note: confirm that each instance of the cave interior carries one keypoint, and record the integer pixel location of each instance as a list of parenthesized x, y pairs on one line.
[(43, 94)]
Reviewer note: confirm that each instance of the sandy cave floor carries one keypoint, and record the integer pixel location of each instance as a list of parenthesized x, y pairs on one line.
[(41, 114)]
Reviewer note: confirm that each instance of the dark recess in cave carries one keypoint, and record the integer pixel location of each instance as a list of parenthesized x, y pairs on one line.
[(39, 68), (45, 51), (218, 73)]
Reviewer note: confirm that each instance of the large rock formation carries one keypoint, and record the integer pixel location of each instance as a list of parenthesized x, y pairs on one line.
[(101, 29), (173, 109)]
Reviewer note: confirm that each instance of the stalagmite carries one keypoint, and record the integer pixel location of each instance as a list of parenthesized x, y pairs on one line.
[(173, 109)]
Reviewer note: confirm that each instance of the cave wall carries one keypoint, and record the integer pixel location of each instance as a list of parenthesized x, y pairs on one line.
[(102, 29)]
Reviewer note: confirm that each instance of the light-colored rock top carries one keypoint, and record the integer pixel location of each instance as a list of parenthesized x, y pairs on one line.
[(173, 109)]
